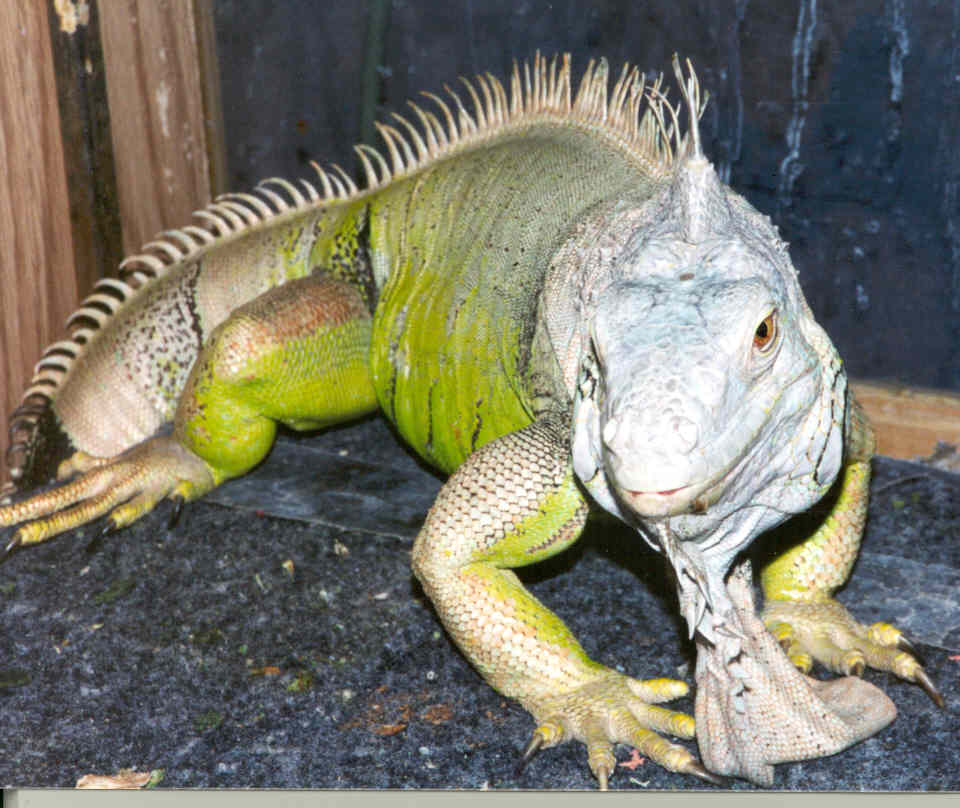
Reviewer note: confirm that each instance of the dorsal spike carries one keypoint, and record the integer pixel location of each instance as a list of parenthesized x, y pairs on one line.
[(373, 181), (290, 188), (325, 183), (432, 146), (478, 111), (310, 190), (422, 151), (221, 224), (280, 204), (199, 233), (690, 90), (188, 241), (172, 251), (349, 184), (452, 134), (467, 125), (389, 137), (254, 202), (243, 211)]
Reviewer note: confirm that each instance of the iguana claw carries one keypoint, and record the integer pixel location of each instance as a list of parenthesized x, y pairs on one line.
[(699, 770), (177, 500), (535, 745), (921, 678), (12, 545), (920, 675), (825, 631), (907, 645)]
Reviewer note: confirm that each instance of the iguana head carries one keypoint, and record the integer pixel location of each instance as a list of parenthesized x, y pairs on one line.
[(708, 403)]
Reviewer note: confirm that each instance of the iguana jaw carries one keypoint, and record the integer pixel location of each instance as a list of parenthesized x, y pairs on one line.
[(660, 503), (693, 498)]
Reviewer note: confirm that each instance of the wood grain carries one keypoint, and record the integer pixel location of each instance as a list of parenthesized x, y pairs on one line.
[(155, 89), (909, 421), (37, 277), (87, 146)]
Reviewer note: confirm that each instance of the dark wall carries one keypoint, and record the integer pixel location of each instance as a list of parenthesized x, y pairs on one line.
[(840, 119)]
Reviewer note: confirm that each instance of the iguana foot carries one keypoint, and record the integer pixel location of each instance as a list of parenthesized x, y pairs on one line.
[(617, 709), (127, 486), (825, 632)]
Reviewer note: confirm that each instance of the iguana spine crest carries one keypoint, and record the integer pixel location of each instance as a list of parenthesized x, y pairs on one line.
[(636, 116)]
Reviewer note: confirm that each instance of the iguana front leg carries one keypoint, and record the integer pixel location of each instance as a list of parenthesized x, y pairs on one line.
[(296, 355), (512, 503), (798, 586)]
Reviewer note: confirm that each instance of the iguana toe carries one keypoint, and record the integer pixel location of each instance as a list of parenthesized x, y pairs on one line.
[(123, 488), (825, 632)]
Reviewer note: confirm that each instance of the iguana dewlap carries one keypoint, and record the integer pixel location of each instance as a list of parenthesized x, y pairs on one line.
[(555, 300)]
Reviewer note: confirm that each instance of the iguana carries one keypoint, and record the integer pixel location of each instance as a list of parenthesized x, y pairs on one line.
[(557, 302)]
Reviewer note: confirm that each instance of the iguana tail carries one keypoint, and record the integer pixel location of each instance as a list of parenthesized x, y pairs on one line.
[(115, 381)]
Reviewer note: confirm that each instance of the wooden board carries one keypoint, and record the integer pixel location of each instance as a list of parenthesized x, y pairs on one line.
[(37, 272), (73, 172), (155, 78), (909, 421)]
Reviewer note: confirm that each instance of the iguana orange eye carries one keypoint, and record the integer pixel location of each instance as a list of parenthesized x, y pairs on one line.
[(766, 332)]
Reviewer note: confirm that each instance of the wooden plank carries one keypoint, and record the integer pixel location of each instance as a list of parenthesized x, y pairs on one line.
[(37, 275), (214, 127), (85, 135), (155, 89), (909, 421)]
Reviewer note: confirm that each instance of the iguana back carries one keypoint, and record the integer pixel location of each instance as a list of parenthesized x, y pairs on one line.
[(449, 243)]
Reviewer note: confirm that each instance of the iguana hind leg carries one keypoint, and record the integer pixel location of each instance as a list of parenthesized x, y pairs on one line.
[(512, 503), (296, 355), (798, 586)]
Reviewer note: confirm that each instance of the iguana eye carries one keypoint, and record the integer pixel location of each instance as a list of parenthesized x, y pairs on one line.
[(766, 333)]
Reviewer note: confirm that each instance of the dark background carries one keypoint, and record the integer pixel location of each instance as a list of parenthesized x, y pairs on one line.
[(840, 120)]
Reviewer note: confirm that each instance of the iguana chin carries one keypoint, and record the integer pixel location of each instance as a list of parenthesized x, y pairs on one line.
[(556, 301)]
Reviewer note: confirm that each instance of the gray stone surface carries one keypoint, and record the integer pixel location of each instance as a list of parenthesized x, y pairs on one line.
[(194, 651)]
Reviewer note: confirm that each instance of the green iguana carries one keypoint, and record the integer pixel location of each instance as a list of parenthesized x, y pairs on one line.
[(557, 302)]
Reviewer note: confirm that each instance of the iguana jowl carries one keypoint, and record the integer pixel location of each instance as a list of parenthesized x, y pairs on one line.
[(557, 302)]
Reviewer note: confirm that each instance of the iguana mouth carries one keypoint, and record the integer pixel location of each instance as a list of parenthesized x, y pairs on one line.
[(669, 502), (692, 498)]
